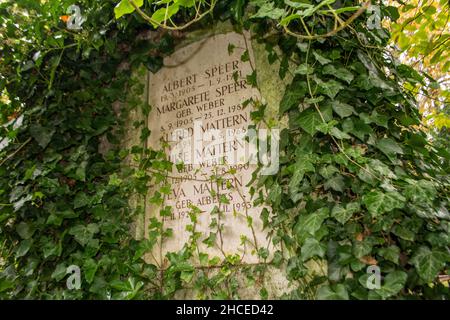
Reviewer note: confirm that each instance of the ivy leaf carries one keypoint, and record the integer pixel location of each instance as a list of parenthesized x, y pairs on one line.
[(125, 7), (336, 292), (144, 246), (322, 60), (203, 258), (429, 263), (362, 249), (294, 184), (343, 109), (379, 119), (314, 100), (49, 247), (53, 219), (59, 272), (129, 289), (292, 95), (338, 133), (120, 285), (389, 147), (308, 9), (309, 224), (80, 172), (341, 214), (211, 240), (6, 284), (185, 3), (267, 10), (24, 230), (311, 248), (360, 129), (353, 207), (403, 232), (302, 166), (299, 5), (336, 183), (339, 72), (330, 88), (265, 217), (381, 168), (392, 12), (81, 200), (89, 268), (231, 48), (393, 283), (304, 69), (187, 276), (224, 199), (23, 248), (274, 195), (83, 234), (245, 56), (421, 191), (391, 253), (328, 171), (308, 120), (378, 202), (163, 14), (41, 134)]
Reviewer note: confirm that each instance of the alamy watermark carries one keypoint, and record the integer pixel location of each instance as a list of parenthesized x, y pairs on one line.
[(74, 280), (374, 20), (75, 19), (373, 282), (197, 146)]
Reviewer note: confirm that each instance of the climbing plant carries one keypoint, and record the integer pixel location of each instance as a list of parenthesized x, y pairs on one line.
[(360, 183)]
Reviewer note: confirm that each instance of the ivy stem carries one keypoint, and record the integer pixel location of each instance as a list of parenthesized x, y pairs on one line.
[(219, 227), (175, 27), (16, 151), (332, 32), (247, 216)]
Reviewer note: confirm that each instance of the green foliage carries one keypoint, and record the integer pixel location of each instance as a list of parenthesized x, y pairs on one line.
[(62, 202), (165, 12), (125, 7), (373, 169), (359, 183), (421, 33)]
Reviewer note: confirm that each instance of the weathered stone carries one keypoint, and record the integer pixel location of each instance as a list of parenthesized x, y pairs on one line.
[(198, 106)]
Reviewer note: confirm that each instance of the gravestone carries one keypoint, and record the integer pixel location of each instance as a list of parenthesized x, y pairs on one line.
[(199, 117)]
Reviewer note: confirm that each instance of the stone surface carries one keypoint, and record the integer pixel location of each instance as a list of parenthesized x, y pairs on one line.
[(198, 113)]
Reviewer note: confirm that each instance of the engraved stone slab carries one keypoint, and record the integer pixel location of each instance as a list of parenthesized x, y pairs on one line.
[(199, 113)]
